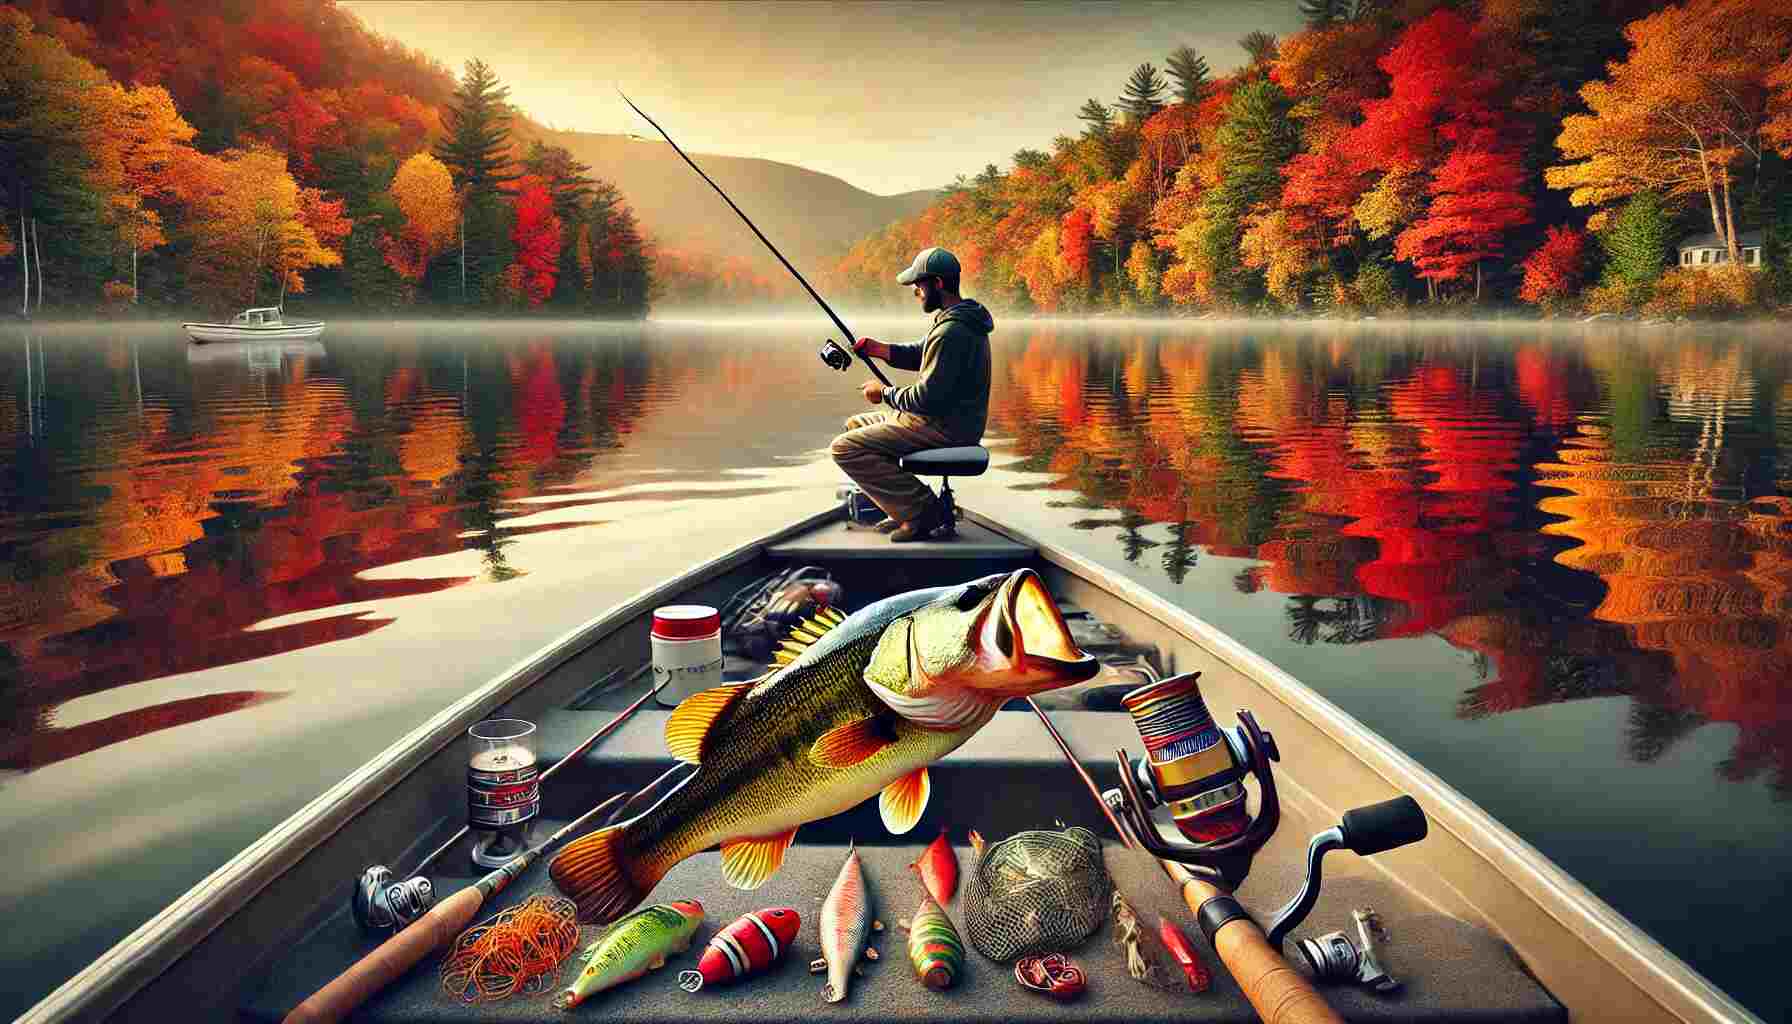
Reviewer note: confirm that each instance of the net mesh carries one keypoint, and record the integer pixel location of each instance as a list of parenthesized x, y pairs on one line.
[(1036, 892)]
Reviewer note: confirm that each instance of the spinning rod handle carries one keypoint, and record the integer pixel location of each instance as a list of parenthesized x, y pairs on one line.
[(1279, 993), (395, 956)]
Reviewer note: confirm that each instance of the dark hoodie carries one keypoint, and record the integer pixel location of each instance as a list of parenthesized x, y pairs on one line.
[(953, 391)]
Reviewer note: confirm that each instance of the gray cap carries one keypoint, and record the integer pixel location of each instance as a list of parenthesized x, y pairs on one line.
[(933, 261)]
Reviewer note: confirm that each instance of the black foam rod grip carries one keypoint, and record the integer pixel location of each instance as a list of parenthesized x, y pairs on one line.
[(1384, 826)]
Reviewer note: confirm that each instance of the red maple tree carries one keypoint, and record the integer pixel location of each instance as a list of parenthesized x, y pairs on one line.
[(537, 238)]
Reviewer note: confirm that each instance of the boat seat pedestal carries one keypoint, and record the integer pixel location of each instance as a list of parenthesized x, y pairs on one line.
[(946, 463)]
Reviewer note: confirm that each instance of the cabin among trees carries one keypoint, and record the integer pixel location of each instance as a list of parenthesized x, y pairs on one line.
[(1709, 249)]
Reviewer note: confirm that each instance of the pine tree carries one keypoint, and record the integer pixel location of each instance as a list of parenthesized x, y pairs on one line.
[(1144, 93), (1189, 69), (1320, 13), (478, 139), (1260, 45), (1099, 117)]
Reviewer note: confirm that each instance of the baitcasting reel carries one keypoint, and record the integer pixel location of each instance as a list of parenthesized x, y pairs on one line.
[(382, 904), (1196, 769), (836, 355)]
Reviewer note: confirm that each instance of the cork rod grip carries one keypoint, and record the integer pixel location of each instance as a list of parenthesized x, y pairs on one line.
[(395, 956), (1279, 993)]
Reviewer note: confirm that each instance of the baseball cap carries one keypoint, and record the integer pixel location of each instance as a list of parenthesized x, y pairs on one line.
[(933, 261)]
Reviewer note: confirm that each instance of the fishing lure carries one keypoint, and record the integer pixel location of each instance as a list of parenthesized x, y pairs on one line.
[(636, 944), (751, 944), (1184, 954), (845, 922), (934, 947), (1054, 974), (938, 868)]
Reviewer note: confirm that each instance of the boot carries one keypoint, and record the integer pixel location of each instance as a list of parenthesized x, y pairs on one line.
[(922, 526)]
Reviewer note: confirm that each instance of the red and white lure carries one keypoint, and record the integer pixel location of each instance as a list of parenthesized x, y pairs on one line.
[(751, 944)]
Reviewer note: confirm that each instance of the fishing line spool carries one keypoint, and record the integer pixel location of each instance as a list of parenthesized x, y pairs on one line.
[(382, 904), (1195, 769)]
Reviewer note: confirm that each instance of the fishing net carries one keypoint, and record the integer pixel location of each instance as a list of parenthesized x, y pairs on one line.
[(1036, 892)]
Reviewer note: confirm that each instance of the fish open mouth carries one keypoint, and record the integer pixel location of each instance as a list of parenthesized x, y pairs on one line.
[(1024, 629)]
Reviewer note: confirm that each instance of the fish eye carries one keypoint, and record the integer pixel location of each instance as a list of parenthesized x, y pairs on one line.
[(972, 595)]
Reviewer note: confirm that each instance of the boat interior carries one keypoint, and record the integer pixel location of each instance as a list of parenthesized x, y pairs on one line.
[(1476, 926)]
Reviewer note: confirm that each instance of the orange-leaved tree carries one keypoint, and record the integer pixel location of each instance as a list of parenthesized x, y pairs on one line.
[(424, 192), (1684, 113)]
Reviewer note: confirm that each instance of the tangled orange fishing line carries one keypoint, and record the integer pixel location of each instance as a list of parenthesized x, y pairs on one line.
[(512, 953)]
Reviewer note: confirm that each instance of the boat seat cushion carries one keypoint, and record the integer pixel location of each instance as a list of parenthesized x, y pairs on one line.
[(966, 460)]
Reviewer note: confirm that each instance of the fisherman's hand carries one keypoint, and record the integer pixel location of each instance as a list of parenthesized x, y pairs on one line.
[(873, 392), (872, 347)]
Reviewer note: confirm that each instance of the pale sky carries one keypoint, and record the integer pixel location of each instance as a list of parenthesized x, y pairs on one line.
[(888, 96)]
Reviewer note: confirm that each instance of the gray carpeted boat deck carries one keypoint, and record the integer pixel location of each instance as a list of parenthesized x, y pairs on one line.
[(1452, 971)]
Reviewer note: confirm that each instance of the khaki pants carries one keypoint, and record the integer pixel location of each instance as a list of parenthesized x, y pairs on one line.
[(868, 451)]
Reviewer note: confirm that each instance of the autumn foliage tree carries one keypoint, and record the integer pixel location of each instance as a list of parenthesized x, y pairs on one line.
[(1553, 272), (537, 239), (424, 193)]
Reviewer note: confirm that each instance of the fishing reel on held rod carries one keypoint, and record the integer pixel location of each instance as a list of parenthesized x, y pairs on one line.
[(836, 355)]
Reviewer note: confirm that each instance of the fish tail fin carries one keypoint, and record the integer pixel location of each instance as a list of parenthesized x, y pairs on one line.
[(604, 874)]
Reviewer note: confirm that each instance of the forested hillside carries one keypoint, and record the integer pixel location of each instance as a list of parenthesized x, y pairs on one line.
[(210, 156), (1429, 152)]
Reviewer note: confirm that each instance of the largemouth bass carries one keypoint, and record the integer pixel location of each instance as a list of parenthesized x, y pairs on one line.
[(862, 710)]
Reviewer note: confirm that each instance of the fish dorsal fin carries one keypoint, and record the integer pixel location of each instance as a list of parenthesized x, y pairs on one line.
[(903, 801), (750, 863), (687, 731), (805, 633), (846, 745)]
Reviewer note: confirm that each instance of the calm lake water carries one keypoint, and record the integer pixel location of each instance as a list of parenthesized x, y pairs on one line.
[(1555, 566)]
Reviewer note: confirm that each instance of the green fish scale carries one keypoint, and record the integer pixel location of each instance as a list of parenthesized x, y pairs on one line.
[(633, 942)]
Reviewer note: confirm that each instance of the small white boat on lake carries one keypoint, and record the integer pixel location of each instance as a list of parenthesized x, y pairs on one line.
[(263, 323)]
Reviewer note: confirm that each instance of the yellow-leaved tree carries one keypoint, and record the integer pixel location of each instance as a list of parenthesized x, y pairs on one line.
[(424, 191), (249, 217)]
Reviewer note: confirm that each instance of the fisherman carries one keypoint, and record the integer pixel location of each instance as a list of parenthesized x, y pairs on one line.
[(947, 407)]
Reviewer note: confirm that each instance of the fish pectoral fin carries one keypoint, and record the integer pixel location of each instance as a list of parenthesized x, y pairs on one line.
[(750, 863), (687, 730), (846, 745), (903, 801)]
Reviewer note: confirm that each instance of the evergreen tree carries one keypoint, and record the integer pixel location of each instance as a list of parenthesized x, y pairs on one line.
[(1256, 138), (478, 132), (1099, 118), (1320, 13), (1144, 93), (1636, 245), (1189, 69), (567, 179), (1260, 45)]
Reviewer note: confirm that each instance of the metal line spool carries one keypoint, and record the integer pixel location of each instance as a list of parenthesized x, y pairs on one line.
[(1196, 769)]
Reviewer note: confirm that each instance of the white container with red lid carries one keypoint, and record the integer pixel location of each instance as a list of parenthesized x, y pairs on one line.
[(687, 650)]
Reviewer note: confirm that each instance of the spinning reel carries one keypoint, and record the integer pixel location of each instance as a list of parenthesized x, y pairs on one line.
[(383, 903), (1196, 769)]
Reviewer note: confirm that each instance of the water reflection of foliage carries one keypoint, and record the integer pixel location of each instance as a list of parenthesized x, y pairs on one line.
[(1596, 521), (157, 530)]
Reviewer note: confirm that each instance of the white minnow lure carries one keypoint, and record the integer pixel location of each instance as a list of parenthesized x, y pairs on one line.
[(845, 922), (633, 946)]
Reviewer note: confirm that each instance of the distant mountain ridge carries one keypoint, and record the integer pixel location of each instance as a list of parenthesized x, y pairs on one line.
[(813, 218)]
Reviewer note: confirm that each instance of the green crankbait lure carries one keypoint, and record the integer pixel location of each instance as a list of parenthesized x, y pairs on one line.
[(636, 944), (934, 947)]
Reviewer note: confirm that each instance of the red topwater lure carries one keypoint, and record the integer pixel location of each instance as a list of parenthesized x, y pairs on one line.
[(938, 868), (749, 945), (1192, 967)]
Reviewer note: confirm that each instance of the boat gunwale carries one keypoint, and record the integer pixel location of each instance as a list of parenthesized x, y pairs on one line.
[(1627, 948), (136, 960)]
